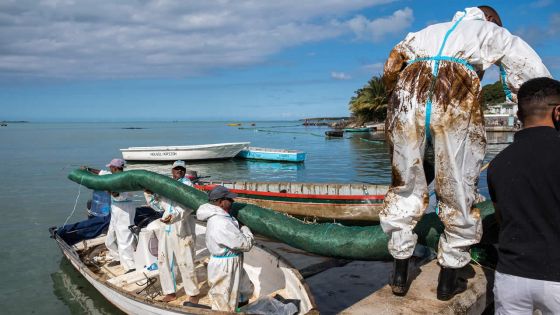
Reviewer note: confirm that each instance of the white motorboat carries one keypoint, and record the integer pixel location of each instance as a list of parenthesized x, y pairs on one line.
[(186, 153), (139, 292)]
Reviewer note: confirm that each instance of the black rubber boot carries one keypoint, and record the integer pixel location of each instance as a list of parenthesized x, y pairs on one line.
[(400, 277), (449, 284)]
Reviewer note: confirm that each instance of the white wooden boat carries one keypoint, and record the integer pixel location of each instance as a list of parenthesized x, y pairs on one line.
[(138, 292), (268, 154), (186, 153)]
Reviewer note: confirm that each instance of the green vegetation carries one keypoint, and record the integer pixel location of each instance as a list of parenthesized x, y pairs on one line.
[(370, 102), (492, 94)]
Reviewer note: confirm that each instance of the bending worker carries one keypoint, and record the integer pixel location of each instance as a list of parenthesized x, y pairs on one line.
[(433, 80), (226, 241), (176, 241), (120, 240)]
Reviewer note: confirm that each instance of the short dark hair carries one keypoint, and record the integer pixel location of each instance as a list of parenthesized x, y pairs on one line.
[(488, 9), (534, 97)]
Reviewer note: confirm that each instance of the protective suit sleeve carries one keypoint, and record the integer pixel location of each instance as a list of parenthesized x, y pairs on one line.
[(179, 213), (518, 62), (236, 239), (153, 201), (396, 63)]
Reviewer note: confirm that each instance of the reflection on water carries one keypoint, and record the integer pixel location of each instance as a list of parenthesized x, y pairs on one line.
[(77, 294)]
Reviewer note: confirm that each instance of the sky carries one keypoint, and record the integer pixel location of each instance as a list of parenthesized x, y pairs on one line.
[(72, 60)]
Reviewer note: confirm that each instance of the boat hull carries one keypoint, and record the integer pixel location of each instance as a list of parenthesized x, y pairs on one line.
[(272, 155), (186, 153), (267, 270), (348, 202)]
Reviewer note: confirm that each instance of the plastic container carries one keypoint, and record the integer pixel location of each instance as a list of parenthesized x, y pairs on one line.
[(100, 203)]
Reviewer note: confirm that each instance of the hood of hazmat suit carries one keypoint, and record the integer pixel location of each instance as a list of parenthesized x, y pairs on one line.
[(223, 234)]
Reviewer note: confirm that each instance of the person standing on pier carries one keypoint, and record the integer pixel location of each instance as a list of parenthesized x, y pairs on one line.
[(524, 184), (433, 80)]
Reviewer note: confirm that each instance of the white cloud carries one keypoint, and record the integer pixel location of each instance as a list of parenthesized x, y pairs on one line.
[(165, 38), (374, 68), (340, 76), (378, 28)]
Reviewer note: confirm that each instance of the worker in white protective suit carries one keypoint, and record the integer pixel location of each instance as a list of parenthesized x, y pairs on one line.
[(226, 241), (176, 241), (120, 240), (433, 83)]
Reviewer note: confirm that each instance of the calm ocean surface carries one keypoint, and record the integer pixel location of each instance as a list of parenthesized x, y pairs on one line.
[(35, 193)]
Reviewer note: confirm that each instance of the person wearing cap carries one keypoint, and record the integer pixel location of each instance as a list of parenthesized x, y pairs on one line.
[(176, 241), (120, 240), (178, 171), (226, 241)]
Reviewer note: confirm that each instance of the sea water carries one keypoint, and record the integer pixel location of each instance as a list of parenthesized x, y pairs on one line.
[(35, 193)]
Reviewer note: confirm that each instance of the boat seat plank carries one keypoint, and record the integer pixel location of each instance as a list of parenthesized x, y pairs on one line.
[(132, 277)]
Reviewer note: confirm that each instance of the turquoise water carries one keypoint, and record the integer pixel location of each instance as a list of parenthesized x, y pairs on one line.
[(35, 193)]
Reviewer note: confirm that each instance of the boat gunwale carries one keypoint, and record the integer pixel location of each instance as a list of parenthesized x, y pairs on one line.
[(209, 186), (71, 254), (273, 151), (183, 148)]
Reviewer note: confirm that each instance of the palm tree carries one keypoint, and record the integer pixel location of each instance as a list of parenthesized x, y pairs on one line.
[(369, 103)]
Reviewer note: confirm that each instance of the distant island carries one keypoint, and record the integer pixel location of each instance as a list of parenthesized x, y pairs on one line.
[(14, 121)]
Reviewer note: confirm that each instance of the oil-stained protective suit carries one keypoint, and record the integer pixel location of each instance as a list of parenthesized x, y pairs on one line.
[(433, 80), (176, 242), (229, 283)]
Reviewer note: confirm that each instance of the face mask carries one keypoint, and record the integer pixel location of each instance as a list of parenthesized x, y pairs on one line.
[(554, 120)]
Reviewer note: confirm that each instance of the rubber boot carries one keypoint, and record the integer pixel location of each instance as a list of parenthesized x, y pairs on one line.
[(448, 284), (400, 277)]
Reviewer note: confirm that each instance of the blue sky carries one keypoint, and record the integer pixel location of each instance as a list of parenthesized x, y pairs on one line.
[(71, 60)]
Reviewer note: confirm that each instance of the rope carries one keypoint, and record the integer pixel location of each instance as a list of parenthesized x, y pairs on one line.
[(374, 141), (75, 204)]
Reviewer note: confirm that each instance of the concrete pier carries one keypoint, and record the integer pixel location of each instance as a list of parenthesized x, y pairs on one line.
[(421, 297), (361, 287)]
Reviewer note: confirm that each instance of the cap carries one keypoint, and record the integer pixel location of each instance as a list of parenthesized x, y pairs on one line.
[(116, 163), (179, 163), (220, 192)]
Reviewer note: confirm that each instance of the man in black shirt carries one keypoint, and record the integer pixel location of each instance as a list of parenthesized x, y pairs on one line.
[(524, 184)]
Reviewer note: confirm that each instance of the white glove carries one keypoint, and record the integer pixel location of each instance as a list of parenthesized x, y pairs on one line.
[(246, 231)]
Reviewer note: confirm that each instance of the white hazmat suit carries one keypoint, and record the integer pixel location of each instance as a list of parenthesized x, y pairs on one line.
[(433, 77), (226, 242), (176, 242), (120, 240)]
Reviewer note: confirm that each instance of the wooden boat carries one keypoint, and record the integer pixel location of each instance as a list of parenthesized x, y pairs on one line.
[(138, 292), (365, 129), (186, 153), (334, 133), (234, 124), (256, 153), (348, 202)]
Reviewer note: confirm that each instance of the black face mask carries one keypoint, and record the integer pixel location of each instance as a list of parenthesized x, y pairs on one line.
[(555, 121)]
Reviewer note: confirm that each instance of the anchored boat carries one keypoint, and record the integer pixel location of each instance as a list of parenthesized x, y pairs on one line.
[(366, 129), (352, 202), (187, 153), (256, 153)]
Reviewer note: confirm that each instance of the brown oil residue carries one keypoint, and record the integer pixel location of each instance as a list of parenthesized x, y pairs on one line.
[(396, 177), (455, 86), (393, 67)]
